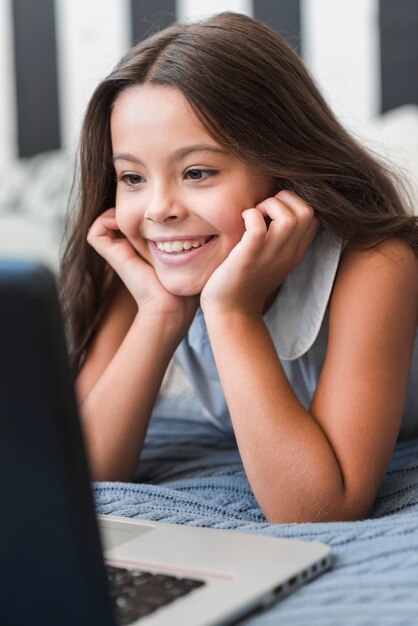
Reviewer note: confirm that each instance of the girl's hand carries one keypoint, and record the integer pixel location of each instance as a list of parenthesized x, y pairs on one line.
[(138, 276), (264, 257)]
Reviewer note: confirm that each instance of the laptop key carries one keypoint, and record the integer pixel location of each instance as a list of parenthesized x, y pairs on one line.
[(136, 594)]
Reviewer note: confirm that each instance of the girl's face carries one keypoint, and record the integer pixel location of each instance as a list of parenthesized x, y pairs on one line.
[(180, 194)]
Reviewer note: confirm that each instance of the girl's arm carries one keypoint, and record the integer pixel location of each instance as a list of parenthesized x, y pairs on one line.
[(123, 370), (325, 463)]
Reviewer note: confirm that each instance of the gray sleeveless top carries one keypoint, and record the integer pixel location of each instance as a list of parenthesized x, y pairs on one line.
[(298, 324)]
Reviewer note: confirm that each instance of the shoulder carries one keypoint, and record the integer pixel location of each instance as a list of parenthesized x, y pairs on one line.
[(390, 252), (373, 313), (386, 274)]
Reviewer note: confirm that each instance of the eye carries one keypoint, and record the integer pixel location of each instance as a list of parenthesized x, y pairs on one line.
[(199, 174), (131, 180)]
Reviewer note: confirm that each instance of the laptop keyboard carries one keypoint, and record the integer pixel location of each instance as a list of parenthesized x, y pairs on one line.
[(136, 594)]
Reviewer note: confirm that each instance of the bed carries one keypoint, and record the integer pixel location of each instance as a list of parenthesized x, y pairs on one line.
[(191, 473)]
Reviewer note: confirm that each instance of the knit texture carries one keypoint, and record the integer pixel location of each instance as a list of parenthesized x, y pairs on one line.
[(191, 473)]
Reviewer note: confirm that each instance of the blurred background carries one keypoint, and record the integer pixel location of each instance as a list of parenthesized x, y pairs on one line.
[(362, 53)]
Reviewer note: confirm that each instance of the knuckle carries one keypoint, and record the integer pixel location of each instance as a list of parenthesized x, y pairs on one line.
[(289, 220), (284, 194), (262, 205), (297, 203), (309, 214)]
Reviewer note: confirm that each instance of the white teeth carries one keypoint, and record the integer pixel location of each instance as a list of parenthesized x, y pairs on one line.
[(179, 246)]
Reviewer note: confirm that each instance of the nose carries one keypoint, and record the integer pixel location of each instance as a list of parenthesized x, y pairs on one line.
[(164, 205)]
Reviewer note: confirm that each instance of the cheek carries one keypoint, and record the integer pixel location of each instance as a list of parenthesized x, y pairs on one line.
[(121, 220), (126, 217), (128, 221), (231, 224)]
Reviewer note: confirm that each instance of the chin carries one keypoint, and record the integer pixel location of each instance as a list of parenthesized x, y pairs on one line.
[(182, 289), (184, 283)]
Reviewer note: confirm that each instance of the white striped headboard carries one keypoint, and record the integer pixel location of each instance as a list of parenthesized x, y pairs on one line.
[(363, 53)]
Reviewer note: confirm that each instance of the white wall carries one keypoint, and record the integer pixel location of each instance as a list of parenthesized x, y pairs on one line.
[(91, 36), (196, 9), (340, 45), (8, 147), (341, 48)]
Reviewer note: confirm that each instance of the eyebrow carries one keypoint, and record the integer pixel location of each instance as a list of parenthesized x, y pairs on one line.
[(177, 155)]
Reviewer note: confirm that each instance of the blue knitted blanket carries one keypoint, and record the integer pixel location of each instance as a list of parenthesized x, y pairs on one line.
[(192, 474)]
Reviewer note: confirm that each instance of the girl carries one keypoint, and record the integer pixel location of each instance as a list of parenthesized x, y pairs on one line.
[(226, 218)]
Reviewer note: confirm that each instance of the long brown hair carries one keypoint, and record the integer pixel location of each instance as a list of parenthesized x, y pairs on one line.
[(254, 96)]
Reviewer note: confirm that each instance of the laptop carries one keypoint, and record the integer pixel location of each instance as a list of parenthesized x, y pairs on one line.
[(61, 564)]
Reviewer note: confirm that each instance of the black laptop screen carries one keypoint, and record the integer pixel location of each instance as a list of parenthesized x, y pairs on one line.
[(51, 565)]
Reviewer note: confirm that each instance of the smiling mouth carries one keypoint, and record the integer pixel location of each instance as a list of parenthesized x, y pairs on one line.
[(179, 247)]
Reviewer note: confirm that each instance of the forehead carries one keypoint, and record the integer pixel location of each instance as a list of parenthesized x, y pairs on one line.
[(152, 109)]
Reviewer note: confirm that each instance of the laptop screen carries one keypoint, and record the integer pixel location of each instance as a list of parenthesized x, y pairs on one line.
[(52, 569)]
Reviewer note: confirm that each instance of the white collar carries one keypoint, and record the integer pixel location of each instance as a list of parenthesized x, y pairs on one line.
[(295, 317)]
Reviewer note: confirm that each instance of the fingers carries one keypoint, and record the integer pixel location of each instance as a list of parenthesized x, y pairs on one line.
[(104, 226), (293, 221), (309, 235), (106, 238), (284, 223), (255, 230), (288, 211)]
